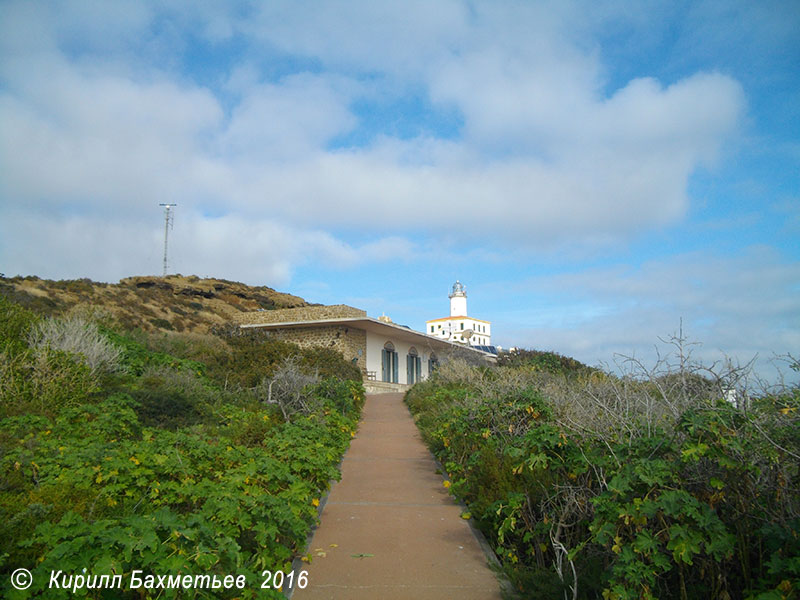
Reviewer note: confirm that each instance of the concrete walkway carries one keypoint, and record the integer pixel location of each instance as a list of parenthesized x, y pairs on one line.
[(389, 529)]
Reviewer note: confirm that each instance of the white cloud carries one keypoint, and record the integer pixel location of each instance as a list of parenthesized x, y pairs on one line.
[(539, 146), (389, 248), (543, 159), (287, 121), (76, 137), (399, 38), (78, 245), (738, 306)]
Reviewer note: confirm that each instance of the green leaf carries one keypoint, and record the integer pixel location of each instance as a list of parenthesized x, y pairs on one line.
[(645, 543), (684, 543)]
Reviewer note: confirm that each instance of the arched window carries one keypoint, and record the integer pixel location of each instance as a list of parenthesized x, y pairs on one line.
[(413, 366), (389, 363)]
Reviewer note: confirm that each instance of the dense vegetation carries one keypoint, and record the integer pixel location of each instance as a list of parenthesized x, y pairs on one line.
[(173, 454), (648, 485)]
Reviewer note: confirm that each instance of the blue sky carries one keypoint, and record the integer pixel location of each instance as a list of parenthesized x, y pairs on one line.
[(597, 174)]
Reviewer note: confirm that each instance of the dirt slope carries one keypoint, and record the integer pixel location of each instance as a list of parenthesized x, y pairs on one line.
[(170, 303)]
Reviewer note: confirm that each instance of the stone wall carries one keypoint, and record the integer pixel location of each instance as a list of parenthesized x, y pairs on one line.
[(352, 343), (294, 315)]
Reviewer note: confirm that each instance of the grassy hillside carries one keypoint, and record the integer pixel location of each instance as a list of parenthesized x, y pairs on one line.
[(172, 303)]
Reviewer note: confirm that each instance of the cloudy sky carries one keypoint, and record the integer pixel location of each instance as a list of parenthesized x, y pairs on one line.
[(595, 173)]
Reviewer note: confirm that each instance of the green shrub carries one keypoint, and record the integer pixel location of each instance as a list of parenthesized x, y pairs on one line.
[(621, 488), (42, 382), (160, 323), (329, 363), (170, 398), (255, 355), (346, 396), (252, 357), (15, 323), (253, 428), (549, 362), (81, 287), (136, 358), (156, 467), (94, 484)]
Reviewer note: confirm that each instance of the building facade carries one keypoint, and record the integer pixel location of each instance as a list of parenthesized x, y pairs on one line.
[(459, 327)]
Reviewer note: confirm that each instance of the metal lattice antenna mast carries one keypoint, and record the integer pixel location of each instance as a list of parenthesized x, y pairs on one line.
[(167, 226)]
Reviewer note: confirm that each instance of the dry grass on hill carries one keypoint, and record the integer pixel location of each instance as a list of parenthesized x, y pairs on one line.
[(172, 303)]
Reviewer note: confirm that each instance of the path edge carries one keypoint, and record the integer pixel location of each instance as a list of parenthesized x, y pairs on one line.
[(495, 566)]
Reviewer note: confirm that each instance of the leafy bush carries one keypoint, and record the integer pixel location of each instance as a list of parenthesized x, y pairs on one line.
[(80, 287), (15, 323), (252, 357), (43, 382), (169, 398), (591, 485), (549, 362), (136, 358), (328, 363), (155, 467), (347, 396), (202, 348), (115, 495), (40, 381), (255, 355)]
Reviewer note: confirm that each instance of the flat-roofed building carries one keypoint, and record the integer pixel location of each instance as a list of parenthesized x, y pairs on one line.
[(384, 351), (459, 327)]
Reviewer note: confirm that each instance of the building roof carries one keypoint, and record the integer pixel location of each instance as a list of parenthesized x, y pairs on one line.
[(398, 332), (452, 318)]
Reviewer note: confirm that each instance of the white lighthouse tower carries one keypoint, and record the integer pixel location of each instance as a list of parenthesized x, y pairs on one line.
[(458, 300), (459, 327)]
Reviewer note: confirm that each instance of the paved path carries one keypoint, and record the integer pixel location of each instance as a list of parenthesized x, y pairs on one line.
[(391, 511)]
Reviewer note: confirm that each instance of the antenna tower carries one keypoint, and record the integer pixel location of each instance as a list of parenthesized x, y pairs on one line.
[(168, 220)]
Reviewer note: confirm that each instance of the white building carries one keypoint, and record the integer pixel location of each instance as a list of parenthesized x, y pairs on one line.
[(459, 327)]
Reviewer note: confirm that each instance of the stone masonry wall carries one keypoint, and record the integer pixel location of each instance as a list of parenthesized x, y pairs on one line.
[(352, 343), (304, 313)]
